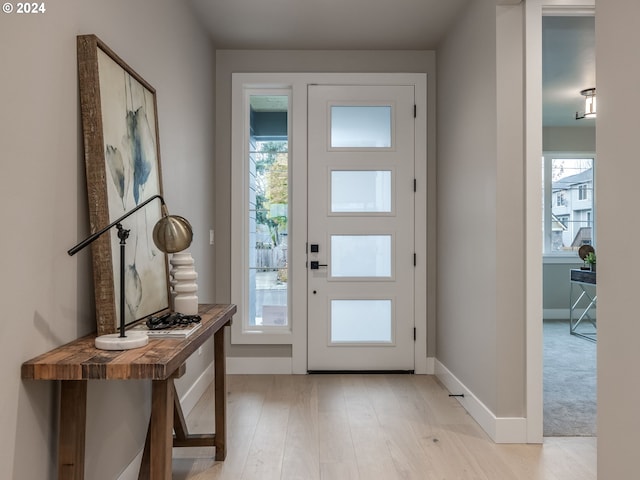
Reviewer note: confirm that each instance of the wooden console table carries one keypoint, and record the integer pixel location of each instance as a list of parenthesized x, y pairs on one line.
[(160, 361)]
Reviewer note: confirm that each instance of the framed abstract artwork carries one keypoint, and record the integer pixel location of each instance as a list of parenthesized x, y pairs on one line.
[(122, 159)]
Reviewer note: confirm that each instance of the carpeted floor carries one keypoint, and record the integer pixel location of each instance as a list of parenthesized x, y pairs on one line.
[(569, 382)]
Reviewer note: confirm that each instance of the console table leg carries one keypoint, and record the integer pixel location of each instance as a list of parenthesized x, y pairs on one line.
[(220, 387), (161, 438), (71, 436)]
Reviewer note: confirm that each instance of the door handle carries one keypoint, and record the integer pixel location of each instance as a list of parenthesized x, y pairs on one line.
[(316, 265)]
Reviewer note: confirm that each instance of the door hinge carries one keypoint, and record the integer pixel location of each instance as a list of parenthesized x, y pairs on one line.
[(415, 111), (415, 335), (415, 259)]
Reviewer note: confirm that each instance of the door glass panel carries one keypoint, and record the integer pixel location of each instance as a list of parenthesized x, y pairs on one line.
[(361, 321), (361, 191), (360, 126), (268, 212), (361, 255)]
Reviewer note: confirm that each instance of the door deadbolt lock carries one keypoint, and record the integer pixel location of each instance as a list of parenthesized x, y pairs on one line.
[(316, 265)]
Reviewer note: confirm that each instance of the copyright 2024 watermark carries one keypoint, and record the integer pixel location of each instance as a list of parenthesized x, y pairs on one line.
[(30, 8)]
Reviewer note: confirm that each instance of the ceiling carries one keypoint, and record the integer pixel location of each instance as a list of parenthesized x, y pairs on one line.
[(568, 41), (328, 24), (568, 66)]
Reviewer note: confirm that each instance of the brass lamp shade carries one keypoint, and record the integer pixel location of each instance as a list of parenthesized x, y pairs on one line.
[(172, 233)]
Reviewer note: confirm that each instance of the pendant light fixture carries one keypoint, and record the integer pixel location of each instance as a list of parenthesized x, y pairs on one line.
[(589, 104)]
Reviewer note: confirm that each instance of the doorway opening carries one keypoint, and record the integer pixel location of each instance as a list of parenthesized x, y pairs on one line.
[(569, 226)]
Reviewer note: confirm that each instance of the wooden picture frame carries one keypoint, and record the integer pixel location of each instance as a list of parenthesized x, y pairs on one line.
[(122, 159)]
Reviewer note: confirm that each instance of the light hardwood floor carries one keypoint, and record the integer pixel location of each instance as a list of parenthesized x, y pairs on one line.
[(366, 427)]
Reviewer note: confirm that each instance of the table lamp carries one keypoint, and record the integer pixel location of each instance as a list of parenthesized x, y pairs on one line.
[(171, 234)]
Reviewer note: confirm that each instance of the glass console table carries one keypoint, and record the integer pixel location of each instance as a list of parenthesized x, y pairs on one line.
[(582, 308)]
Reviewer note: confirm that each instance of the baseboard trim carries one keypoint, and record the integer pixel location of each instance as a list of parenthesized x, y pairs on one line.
[(561, 313), (431, 366), (133, 469), (259, 366), (424, 366), (499, 429)]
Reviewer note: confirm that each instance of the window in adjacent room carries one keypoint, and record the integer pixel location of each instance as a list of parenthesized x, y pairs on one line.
[(568, 203)]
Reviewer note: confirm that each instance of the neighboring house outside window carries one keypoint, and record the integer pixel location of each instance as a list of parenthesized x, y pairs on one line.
[(582, 191), (568, 219)]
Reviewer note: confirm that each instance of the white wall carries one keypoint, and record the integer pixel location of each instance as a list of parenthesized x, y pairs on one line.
[(47, 296), (569, 139), (480, 206), (617, 173), (556, 288)]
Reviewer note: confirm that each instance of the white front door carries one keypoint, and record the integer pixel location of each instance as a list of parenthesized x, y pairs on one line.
[(361, 255)]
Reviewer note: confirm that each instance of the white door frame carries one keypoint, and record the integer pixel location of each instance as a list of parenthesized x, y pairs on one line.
[(533, 151), (297, 82), (533, 249)]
